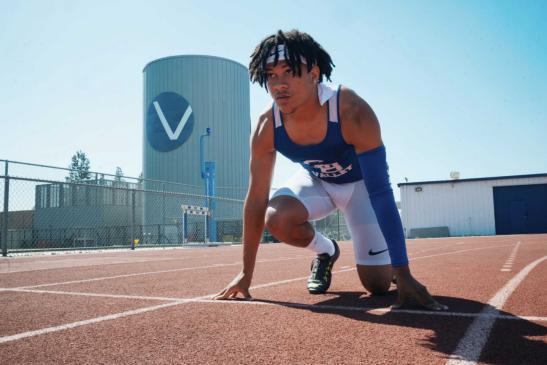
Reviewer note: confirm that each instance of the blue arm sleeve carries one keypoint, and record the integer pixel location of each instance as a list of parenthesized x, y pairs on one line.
[(374, 169)]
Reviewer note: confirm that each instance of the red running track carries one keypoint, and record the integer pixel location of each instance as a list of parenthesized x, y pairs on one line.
[(151, 306)]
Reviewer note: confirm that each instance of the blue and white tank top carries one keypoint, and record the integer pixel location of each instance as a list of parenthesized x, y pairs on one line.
[(331, 160)]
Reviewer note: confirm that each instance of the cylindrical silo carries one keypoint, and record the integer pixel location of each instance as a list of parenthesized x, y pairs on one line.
[(184, 95)]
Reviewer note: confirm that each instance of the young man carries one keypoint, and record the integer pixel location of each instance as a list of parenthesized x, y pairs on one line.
[(335, 136)]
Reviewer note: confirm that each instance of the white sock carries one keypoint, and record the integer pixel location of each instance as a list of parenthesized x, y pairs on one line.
[(321, 244)]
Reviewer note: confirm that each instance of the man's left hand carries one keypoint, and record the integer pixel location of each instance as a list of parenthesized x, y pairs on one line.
[(408, 288)]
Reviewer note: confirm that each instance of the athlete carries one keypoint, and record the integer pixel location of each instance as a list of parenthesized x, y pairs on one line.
[(335, 136)]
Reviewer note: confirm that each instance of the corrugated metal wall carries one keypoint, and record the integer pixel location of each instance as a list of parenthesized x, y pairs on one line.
[(218, 91), (465, 207)]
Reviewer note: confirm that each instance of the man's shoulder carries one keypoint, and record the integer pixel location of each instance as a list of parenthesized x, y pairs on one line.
[(353, 106), (357, 119), (263, 132), (349, 99), (266, 114), (265, 119)]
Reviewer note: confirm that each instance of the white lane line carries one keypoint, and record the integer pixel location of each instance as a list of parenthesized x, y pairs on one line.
[(291, 280), (122, 314), (213, 266), (43, 331), (98, 295), (122, 276), (120, 296), (143, 273), (370, 310), (508, 265), (295, 258), (109, 317), (443, 247), (470, 347), (161, 306), (534, 318), (453, 252), (9, 269)]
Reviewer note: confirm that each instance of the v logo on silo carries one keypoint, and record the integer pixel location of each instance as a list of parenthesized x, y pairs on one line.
[(172, 134), (169, 121)]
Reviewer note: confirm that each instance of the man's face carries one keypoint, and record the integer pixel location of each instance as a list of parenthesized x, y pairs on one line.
[(291, 91)]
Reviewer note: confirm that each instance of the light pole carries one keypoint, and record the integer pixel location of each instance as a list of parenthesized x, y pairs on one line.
[(207, 169), (201, 162)]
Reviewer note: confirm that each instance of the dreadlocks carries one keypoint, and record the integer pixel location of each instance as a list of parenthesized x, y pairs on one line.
[(298, 46)]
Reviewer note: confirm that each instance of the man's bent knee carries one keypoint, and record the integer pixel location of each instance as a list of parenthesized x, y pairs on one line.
[(375, 279), (377, 288), (283, 213), (275, 221)]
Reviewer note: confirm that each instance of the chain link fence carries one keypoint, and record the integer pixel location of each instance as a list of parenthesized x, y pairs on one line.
[(107, 211)]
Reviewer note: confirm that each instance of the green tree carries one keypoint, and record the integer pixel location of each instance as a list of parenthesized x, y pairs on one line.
[(79, 167)]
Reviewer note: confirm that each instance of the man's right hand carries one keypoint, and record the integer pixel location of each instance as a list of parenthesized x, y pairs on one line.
[(262, 163), (240, 284)]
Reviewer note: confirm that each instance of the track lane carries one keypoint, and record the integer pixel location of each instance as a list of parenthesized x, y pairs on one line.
[(430, 343)]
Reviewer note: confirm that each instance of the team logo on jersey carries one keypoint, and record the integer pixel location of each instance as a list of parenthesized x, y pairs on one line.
[(320, 169), (169, 121)]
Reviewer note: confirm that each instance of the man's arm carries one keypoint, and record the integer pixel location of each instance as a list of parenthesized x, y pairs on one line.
[(360, 128), (261, 170)]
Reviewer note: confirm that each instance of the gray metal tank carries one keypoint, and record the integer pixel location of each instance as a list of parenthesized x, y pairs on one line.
[(184, 95)]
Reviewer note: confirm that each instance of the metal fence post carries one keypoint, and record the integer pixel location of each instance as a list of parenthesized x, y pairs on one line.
[(6, 214), (158, 242), (183, 228), (133, 220), (205, 230), (162, 213)]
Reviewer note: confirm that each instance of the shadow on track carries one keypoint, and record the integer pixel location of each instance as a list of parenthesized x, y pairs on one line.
[(512, 341)]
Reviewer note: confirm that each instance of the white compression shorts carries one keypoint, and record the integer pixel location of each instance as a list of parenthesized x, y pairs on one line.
[(322, 198)]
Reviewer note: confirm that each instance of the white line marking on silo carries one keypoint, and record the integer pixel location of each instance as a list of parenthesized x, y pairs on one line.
[(173, 135)]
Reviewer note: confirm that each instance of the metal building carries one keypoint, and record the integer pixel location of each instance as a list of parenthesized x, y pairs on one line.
[(90, 213), (480, 206), (183, 96)]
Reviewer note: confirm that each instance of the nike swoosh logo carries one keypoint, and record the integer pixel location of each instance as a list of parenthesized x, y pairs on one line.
[(373, 253), (173, 135)]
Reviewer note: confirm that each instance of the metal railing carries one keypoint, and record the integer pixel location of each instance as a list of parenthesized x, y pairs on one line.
[(50, 212)]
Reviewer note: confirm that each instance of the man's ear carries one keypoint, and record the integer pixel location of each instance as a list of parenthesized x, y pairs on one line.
[(315, 73)]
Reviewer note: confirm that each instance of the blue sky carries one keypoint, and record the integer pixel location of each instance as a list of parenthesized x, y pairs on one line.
[(457, 85)]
